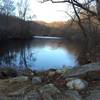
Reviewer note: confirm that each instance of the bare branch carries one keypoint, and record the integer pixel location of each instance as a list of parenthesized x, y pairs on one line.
[(74, 2), (79, 21)]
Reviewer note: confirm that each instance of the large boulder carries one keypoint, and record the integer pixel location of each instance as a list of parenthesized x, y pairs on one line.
[(49, 88), (6, 72), (91, 71), (36, 80), (73, 95), (77, 84), (95, 95), (26, 72), (19, 79), (32, 95), (51, 92)]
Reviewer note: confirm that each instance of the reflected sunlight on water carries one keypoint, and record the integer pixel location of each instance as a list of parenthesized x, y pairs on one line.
[(47, 58), (39, 54)]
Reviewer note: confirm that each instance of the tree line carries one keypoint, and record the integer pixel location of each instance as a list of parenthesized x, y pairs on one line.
[(81, 9), (18, 8), (87, 17)]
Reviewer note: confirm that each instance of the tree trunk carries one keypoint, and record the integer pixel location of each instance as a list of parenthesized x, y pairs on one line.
[(98, 8)]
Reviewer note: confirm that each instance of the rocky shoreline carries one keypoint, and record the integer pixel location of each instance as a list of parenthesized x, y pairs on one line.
[(80, 83)]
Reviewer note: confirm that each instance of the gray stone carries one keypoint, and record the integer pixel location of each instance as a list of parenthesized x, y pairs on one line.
[(49, 88), (47, 96), (19, 79), (56, 96), (61, 97), (77, 84), (19, 92), (51, 73), (33, 95), (26, 72), (95, 95), (73, 95), (63, 70), (3, 98), (50, 92), (83, 70), (11, 98), (36, 80)]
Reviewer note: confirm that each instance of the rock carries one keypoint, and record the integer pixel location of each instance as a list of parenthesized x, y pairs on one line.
[(90, 71), (69, 79), (49, 88), (51, 73), (47, 96), (19, 79), (73, 95), (59, 71), (36, 80), (26, 72), (19, 92), (3, 98), (56, 96), (77, 84), (10, 98), (69, 96), (6, 72), (51, 92), (63, 70), (95, 95), (33, 95)]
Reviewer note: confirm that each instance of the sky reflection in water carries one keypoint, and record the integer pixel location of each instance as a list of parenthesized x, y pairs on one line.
[(41, 54), (48, 57)]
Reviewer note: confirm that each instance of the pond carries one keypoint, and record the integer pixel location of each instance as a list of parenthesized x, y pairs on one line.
[(40, 53)]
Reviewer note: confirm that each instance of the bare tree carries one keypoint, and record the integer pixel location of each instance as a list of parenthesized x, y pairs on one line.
[(81, 5), (98, 8), (87, 32), (23, 8), (7, 7)]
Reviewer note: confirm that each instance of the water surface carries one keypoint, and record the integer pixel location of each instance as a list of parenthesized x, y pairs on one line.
[(38, 54)]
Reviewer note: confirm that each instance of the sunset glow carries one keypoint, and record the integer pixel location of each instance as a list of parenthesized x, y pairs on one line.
[(49, 11)]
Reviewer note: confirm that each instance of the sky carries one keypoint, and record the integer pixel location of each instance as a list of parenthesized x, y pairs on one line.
[(49, 11)]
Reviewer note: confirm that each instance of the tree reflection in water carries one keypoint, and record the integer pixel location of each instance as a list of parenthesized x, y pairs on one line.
[(13, 53), (38, 54)]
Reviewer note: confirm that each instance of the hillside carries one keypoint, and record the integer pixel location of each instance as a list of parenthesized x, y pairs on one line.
[(13, 27)]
